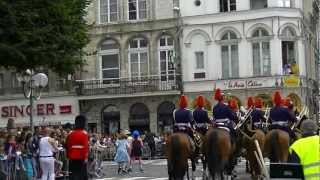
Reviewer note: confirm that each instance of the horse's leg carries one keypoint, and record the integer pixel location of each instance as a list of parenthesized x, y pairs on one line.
[(204, 163), (193, 164)]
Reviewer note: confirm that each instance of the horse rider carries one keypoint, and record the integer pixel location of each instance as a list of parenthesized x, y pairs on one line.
[(280, 116), (257, 115), (183, 120), (201, 117), (306, 151), (223, 116)]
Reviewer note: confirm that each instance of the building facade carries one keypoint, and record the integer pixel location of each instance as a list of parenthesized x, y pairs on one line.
[(132, 77), (250, 48)]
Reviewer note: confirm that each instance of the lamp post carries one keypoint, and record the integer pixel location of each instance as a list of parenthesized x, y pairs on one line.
[(32, 85)]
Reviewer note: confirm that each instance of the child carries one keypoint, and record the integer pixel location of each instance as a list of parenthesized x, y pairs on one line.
[(122, 156), (136, 149)]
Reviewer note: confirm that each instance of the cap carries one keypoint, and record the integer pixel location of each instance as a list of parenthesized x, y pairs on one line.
[(233, 104), (201, 101), (277, 98), (250, 102), (183, 101), (258, 102), (218, 95)]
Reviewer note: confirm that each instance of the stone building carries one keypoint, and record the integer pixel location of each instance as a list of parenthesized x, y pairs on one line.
[(250, 48), (132, 77)]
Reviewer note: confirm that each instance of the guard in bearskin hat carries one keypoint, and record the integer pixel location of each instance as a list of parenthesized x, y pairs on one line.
[(77, 147), (257, 115), (200, 116), (280, 116), (223, 116)]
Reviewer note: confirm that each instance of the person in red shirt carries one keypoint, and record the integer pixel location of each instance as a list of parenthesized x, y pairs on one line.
[(77, 147)]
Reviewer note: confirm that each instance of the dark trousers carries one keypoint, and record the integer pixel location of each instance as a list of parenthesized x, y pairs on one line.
[(78, 169)]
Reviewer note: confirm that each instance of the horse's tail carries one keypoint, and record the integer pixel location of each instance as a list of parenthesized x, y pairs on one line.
[(178, 169), (213, 154), (274, 146)]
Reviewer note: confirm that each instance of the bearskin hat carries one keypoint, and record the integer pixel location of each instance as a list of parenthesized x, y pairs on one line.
[(183, 101), (277, 98), (250, 102), (258, 102), (233, 104), (218, 95), (201, 101)]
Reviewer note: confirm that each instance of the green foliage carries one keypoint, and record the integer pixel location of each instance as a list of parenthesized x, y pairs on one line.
[(43, 33)]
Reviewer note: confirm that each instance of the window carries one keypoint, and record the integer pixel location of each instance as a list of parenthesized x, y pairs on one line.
[(227, 5), (259, 4), (199, 60), (1, 81), (284, 3), (137, 9), (261, 53), (289, 63), (229, 53), (166, 58), (138, 57), (108, 11), (14, 81), (109, 58)]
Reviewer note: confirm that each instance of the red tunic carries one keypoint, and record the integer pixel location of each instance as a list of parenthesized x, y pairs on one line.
[(77, 145)]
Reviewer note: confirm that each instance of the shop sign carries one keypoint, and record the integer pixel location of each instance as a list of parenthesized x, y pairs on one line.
[(291, 81), (243, 84)]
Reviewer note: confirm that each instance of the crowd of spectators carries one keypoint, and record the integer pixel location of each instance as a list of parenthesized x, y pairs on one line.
[(19, 151)]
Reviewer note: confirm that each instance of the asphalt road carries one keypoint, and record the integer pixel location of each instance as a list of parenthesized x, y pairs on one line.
[(156, 170)]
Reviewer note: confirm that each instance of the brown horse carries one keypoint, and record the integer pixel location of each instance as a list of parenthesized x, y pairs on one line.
[(276, 146), (250, 146), (218, 151), (178, 151)]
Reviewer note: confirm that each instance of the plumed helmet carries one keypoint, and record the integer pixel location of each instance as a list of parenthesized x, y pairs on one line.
[(183, 101), (250, 102), (258, 102), (135, 134), (286, 102), (277, 98), (233, 104), (309, 127), (201, 101), (218, 95)]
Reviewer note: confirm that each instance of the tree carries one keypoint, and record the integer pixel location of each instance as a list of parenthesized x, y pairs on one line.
[(43, 33)]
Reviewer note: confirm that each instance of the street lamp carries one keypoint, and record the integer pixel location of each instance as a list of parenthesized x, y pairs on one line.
[(32, 85)]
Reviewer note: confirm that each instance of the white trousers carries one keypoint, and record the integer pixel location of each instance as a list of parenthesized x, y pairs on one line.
[(47, 167)]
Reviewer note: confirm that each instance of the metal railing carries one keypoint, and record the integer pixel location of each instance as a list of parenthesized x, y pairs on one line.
[(128, 85)]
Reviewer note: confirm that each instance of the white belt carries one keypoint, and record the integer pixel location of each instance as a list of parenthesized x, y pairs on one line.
[(201, 125), (257, 123), (77, 146), (280, 123), (225, 128), (222, 120), (183, 124)]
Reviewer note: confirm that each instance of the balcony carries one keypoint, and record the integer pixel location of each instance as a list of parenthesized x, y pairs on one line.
[(120, 86)]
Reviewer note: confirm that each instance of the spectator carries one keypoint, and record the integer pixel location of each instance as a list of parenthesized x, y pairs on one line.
[(151, 143), (136, 150), (77, 150), (306, 150), (294, 68), (122, 156), (47, 148), (28, 156)]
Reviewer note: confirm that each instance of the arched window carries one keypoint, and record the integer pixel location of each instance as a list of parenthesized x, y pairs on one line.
[(110, 119), (165, 118), (261, 53), (109, 61), (138, 57), (166, 58), (139, 117), (108, 11), (289, 53), (229, 55)]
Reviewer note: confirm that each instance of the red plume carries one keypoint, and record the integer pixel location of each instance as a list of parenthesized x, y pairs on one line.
[(258, 102), (233, 104), (250, 102), (287, 102), (218, 95), (277, 98), (183, 101), (201, 101)]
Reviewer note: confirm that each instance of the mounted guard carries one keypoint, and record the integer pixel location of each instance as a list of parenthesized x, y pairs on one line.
[(257, 115), (280, 116), (201, 117), (223, 116)]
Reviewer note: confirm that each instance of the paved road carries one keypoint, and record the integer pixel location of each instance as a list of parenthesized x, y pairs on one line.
[(157, 170)]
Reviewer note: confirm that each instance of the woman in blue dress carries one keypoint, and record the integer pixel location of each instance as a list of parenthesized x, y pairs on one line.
[(122, 156)]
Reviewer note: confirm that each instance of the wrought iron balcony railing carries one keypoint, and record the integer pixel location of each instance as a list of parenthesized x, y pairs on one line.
[(118, 86)]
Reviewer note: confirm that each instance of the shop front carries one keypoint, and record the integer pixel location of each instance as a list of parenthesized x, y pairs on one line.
[(46, 111)]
